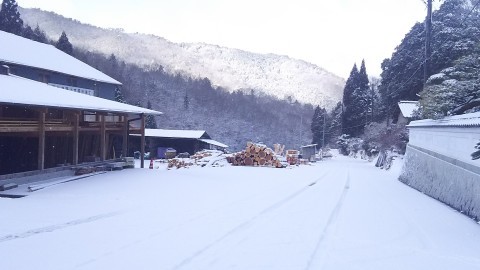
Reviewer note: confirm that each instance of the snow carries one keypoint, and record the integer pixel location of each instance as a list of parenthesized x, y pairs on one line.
[(338, 214), (408, 108), (23, 91), (172, 133), (22, 51), (213, 142), (469, 119), (232, 69)]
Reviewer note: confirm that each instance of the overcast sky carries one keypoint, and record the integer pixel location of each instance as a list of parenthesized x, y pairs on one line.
[(330, 33)]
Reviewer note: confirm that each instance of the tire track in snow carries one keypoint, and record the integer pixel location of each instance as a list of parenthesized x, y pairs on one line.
[(330, 223), (56, 227), (186, 222), (246, 223)]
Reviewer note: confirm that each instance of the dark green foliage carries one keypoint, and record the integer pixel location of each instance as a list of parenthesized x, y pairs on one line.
[(39, 35), (119, 95), (150, 119), (455, 90), (10, 20), (64, 44), (319, 127), (454, 35), (356, 101), (350, 86)]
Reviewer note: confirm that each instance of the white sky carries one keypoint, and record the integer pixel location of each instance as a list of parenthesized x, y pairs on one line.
[(330, 33)]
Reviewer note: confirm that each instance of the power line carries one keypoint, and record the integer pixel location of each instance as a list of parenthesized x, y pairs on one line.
[(436, 51)]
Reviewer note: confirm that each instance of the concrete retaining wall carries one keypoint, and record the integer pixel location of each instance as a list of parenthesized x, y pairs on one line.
[(452, 181)]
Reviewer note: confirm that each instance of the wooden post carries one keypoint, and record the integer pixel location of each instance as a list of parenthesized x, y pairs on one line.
[(103, 146), (76, 135), (142, 141), (41, 139), (428, 41), (125, 136)]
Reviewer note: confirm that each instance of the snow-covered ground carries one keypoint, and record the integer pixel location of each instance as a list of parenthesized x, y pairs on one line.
[(338, 214)]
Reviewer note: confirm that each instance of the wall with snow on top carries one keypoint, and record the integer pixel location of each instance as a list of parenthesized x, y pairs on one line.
[(438, 161)]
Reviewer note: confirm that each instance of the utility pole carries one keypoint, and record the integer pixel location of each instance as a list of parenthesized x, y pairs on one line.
[(323, 133), (428, 40)]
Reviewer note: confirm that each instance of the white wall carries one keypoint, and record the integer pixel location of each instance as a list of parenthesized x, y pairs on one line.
[(454, 142)]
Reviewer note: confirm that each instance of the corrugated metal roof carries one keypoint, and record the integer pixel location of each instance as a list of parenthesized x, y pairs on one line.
[(172, 133), (407, 108), (22, 51), (17, 90), (213, 142), (464, 120)]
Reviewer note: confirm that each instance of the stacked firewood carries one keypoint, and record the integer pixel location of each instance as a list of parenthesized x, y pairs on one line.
[(201, 154), (255, 155)]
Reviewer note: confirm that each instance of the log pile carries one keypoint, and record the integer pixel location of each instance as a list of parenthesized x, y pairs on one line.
[(255, 155), (178, 163)]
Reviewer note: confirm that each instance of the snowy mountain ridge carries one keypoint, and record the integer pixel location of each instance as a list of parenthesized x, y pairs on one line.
[(231, 69)]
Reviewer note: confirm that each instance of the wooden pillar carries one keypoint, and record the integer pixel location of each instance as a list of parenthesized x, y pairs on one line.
[(142, 141), (103, 147), (125, 136), (76, 136), (41, 139)]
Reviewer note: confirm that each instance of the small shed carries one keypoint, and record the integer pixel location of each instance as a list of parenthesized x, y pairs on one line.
[(309, 151), (190, 141), (407, 109)]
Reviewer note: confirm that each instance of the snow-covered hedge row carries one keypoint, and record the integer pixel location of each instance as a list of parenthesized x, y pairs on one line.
[(438, 176)]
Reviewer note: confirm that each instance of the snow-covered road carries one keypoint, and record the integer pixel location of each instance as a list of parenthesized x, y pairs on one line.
[(339, 214)]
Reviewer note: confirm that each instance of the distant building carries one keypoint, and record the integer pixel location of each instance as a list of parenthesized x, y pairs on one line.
[(45, 63), (190, 141), (407, 110)]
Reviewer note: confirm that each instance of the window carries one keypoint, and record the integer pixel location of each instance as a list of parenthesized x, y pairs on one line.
[(44, 77), (72, 81)]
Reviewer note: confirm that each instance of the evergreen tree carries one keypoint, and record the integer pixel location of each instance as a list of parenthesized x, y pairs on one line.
[(455, 90), (186, 101), (119, 95), (454, 36), (360, 105), (10, 20), (64, 44), (334, 128), (39, 35), (348, 119), (150, 119), (318, 126)]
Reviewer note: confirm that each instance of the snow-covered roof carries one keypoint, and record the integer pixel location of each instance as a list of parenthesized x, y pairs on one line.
[(22, 51), (213, 142), (310, 145), (17, 90), (171, 133), (407, 108), (464, 120)]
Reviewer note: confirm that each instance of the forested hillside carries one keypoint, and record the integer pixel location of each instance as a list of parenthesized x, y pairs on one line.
[(232, 69), (232, 118)]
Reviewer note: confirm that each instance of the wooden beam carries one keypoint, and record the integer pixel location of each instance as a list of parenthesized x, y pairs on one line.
[(103, 147), (125, 136), (142, 141), (76, 135), (41, 139)]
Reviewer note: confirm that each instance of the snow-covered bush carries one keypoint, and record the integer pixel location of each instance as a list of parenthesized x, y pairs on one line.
[(455, 90), (379, 136)]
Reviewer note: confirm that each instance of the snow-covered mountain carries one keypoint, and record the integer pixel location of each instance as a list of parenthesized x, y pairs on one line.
[(232, 69)]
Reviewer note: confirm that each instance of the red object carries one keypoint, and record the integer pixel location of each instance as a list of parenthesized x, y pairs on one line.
[(151, 164)]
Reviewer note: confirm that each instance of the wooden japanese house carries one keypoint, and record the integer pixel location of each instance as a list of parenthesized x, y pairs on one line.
[(42, 126)]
